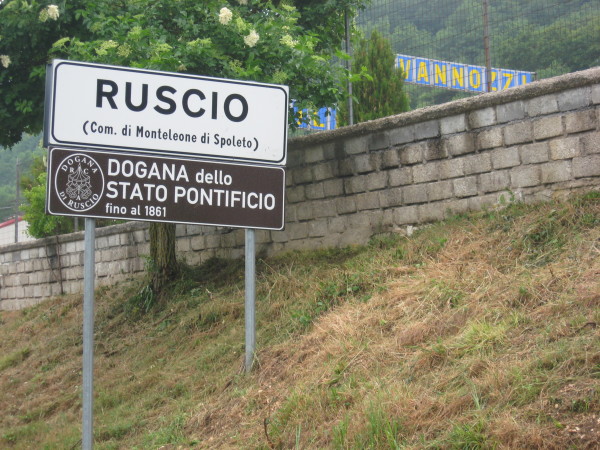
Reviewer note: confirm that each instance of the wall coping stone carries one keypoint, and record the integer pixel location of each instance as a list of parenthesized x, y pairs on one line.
[(536, 89), (73, 237)]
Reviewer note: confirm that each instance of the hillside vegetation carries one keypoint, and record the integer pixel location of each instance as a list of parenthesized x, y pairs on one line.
[(477, 332)]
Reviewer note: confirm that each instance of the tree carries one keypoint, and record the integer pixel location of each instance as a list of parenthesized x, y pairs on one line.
[(381, 93), (244, 39)]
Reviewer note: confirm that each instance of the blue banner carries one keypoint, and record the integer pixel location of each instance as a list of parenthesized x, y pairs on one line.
[(457, 76)]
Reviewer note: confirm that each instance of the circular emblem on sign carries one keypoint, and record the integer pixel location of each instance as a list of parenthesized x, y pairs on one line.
[(79, 182)]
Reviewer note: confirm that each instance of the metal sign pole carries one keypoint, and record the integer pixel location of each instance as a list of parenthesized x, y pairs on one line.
[(250, 311), (88, 334)]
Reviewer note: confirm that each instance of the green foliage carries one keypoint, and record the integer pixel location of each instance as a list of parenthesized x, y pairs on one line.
[(40, 224), (255, 40), (14, 358), (381, 93), (469, 436)]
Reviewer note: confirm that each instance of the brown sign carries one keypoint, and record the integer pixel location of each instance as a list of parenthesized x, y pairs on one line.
[(112, 185)]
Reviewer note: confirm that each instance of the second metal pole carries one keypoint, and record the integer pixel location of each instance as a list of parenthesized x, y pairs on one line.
[(88, 334), (250, 299)]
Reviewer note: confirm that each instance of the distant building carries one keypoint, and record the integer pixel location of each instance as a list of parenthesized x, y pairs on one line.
[(7, 232)]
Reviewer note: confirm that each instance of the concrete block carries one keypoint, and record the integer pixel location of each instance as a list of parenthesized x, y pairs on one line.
[(304, 211), (453, 124), (586, 166), (356, 145), (366, 163), (323, 171), (379, 141), (191, 230), (505, 157), (317, 228), (280, 236), (435, 150), (581, 121), (406, 215), (333, 188), (412, 154), (376, 180), (295, 157), (591, 143), (596, 94), (315, 191), (71, 247), (213, 241), (460, 144), (402, 135), (29, 266), (426, 130), (313, 154), (355, 184), (19, 292), (400, 177), (465, 187), (518, 133), (301, 175), (425, 172), (489, 138), (180, 230), (479, 163), (297, 230), (390, 197), (330, 149), (197, 243), (390, 158), (414, 194), (102, 242), (534, 153), (482, 201), (482, 118), (289, 214), (556, 171), (338, 224), (457, 206), (345, 205), (183, 245), (346, 167), (430, 212), (295, 194), (494, 181), (575, 98), (439, 190), (547, 127), (114, 240), (525, 176), (546, 104), (367, 201), (564, 148), (450, 168), (510, 111)]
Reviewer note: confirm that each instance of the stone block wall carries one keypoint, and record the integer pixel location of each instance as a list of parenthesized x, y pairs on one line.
[(530, 143)]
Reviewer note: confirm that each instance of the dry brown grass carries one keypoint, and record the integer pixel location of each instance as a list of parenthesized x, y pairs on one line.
[(481, 332)]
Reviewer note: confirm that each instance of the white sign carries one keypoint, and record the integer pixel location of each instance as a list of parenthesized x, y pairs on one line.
[(92, 105)]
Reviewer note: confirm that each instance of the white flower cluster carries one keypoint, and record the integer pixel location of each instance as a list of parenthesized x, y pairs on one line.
[(251, 39), (51, 12), (225, 16), (5, 61)]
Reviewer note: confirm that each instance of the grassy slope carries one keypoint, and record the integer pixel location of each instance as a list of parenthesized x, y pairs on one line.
[(477, 332)]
